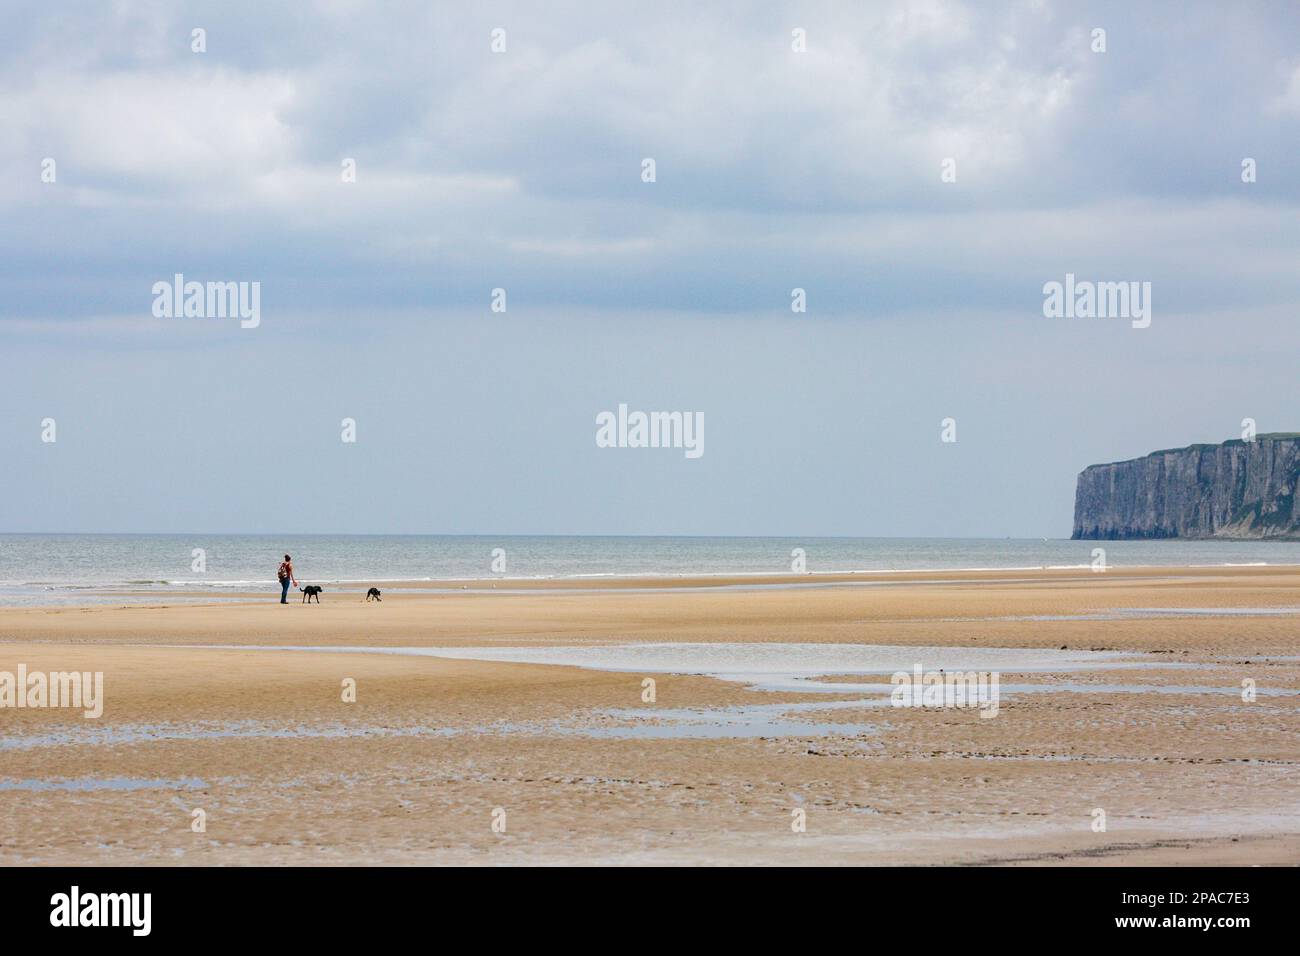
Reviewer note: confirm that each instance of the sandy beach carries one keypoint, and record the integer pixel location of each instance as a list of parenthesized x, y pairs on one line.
[(223, 707)]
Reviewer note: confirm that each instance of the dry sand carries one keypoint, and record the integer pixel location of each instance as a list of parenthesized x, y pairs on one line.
[(286, 771)]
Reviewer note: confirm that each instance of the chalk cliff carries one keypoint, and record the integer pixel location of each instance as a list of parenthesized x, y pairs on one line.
[(1238, 489)]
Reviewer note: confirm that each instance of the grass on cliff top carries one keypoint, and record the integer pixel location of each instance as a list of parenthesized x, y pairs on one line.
[(1266, 436)]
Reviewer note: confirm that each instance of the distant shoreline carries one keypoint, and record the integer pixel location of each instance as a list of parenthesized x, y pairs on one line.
[(342, 589)]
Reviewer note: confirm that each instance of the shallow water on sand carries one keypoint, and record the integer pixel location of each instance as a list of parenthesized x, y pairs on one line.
[(767, 667), (774, 667), (795, 668), (1142, 613)]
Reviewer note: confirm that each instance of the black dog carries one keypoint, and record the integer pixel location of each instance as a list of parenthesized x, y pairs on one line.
[(373, 593), (310, 591)]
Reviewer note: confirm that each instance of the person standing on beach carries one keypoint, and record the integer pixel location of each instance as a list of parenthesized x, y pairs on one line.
[(285, 574)]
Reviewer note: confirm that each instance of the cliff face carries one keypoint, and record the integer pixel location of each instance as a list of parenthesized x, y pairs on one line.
[(1235, 490)]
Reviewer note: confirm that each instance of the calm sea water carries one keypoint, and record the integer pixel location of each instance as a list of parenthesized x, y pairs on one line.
[(61, 568)]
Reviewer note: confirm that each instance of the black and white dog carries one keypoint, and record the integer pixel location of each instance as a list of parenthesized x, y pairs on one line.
[(373, 593)]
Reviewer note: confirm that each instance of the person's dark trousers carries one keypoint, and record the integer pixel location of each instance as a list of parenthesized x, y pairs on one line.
[(284, 591)]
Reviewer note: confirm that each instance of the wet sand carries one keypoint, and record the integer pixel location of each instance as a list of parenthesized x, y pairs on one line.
[(583, 770)]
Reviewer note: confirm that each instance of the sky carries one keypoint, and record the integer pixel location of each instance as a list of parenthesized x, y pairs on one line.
[(920, 170)]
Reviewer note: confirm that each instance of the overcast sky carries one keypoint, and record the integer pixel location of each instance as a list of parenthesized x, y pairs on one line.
[(774, 169)]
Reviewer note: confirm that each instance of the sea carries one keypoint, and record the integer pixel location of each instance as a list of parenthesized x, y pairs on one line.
[(43, 569)]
